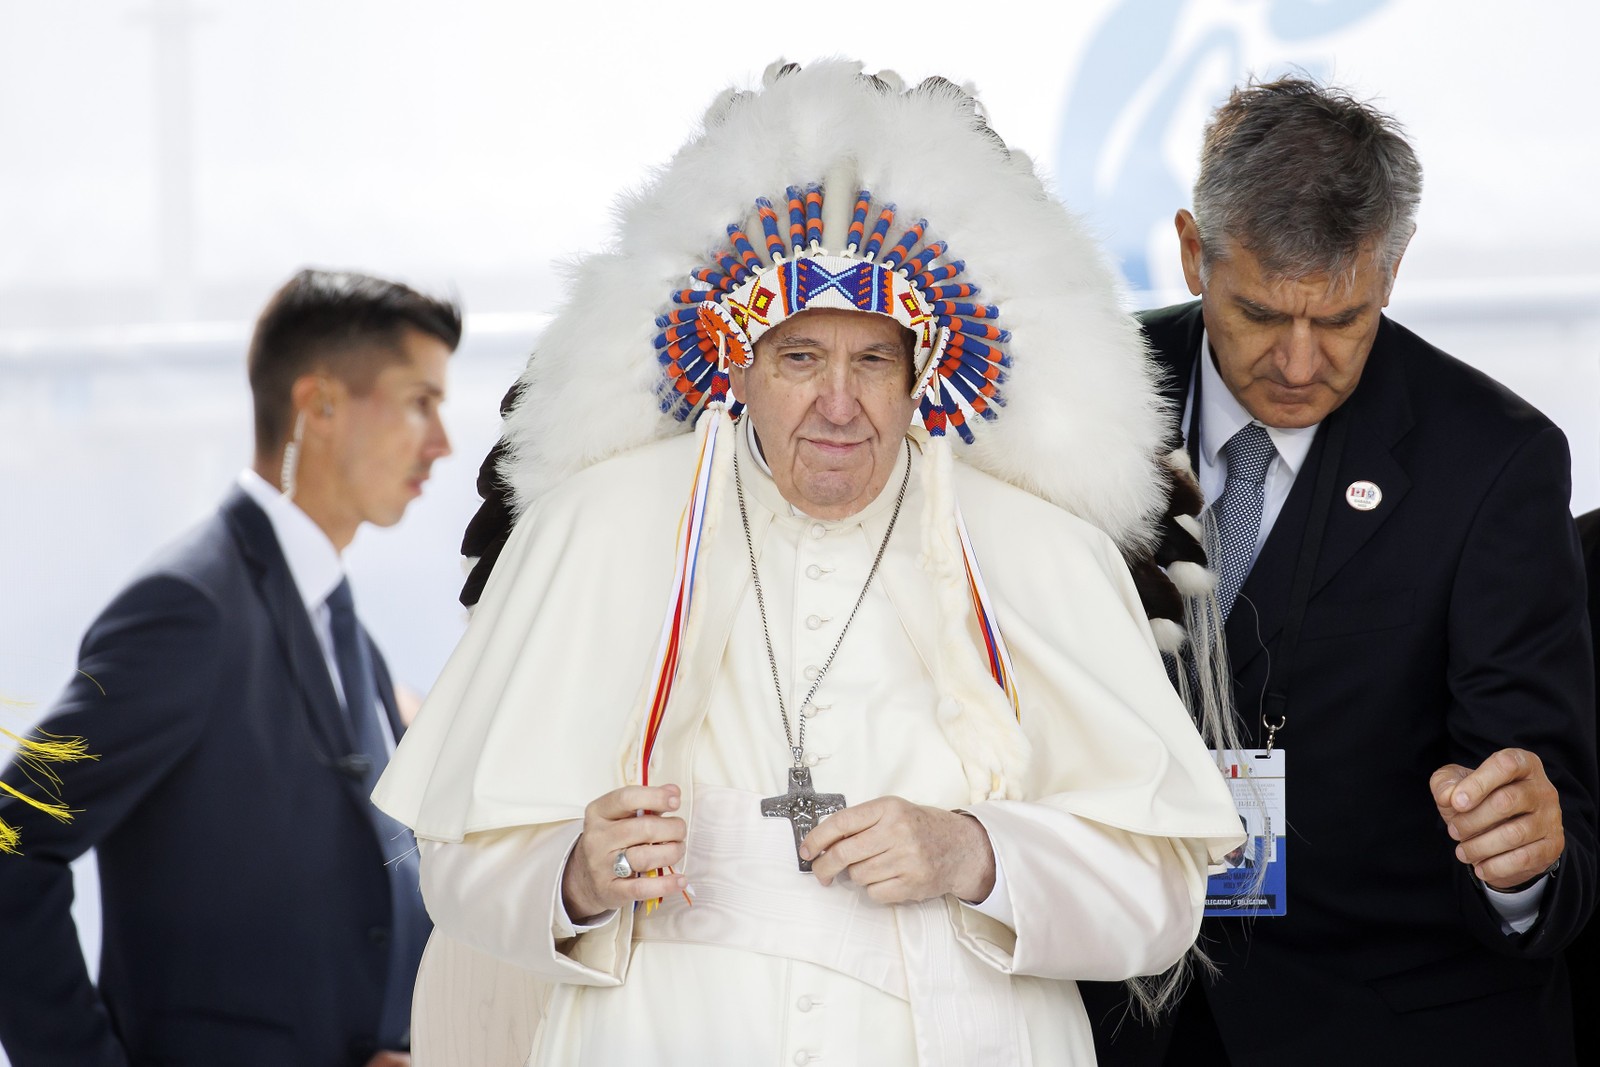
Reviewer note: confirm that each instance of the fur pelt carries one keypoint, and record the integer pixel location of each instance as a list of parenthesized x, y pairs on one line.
[(1083, 421)]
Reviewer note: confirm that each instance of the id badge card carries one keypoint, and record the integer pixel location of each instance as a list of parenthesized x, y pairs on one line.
[(1253, 881)]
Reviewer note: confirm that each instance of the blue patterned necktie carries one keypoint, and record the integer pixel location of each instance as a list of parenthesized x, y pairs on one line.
[(1248, 453), (408, 929)]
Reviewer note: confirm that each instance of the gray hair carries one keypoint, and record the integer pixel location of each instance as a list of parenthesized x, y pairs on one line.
[(1306, 178)]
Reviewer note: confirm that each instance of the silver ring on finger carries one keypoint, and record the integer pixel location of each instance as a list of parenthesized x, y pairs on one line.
[(622, 868)]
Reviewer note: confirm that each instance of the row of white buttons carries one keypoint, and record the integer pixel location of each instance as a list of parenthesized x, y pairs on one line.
[(806, 1003), (811, 673)]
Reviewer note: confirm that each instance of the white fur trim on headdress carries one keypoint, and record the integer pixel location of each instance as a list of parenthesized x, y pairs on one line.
[(1082, 420)]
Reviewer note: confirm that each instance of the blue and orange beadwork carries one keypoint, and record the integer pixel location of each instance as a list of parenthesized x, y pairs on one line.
[(739, 296)]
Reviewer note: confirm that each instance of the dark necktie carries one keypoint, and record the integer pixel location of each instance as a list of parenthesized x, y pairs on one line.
[(1248, 453), (408, 929)]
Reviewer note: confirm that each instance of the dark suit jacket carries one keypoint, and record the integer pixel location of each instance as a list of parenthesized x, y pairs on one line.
[(245, 907), (1583, 955), (1445, 624)]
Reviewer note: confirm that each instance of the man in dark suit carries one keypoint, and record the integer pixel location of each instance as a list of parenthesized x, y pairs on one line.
[(1404, 616), (256, 909), (1583, 955)]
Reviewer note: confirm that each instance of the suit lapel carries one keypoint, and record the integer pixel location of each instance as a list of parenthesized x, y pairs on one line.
[(307, 668), (1377, 415), (1176, 334), (385, 687), (1380, 416)]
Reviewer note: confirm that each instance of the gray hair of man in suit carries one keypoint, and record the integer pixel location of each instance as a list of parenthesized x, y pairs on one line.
[(1307, 178)]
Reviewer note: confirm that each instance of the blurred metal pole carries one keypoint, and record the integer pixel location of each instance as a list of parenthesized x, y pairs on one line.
[(172, 23)]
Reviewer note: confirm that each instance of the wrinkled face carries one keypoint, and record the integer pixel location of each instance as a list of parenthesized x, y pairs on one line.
[(382, 444), (829, 395), (1290, 350)]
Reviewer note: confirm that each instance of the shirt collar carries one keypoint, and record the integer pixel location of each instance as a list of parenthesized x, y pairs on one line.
[(1222, 416), (313, 561)]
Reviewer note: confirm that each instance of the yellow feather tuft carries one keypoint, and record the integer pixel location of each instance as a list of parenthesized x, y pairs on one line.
[(54, 809), (35, 755)]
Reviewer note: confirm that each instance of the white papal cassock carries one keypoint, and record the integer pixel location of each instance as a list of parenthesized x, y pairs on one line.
[(1101, 804)]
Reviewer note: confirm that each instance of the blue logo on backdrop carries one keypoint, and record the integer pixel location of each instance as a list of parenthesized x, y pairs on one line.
[(1135, 78)]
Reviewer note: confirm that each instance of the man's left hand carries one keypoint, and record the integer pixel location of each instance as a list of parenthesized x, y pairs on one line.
[(899, 851), (390, 1059), (1506, 816)]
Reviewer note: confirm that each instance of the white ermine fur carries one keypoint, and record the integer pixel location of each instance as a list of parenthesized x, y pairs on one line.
[(1192, 579), (1083, 422)]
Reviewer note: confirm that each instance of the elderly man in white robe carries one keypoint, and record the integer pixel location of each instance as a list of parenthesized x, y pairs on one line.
[(902, 763)]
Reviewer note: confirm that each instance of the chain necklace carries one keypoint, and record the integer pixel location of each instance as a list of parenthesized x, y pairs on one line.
[(801, 804)]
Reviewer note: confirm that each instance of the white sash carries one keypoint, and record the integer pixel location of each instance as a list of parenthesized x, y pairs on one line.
[(748, 895)]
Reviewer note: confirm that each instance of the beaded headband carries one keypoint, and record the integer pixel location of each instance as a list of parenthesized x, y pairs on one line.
[(958, 350)]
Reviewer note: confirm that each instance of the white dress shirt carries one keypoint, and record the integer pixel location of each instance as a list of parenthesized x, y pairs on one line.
[(1221, 416), (315, 566)]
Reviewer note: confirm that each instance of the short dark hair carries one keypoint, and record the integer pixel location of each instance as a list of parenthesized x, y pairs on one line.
[(348, 323), (1305, 177)]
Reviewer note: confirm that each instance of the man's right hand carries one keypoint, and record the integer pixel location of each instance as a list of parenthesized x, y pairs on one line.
[(612, 824), (1506, 815)]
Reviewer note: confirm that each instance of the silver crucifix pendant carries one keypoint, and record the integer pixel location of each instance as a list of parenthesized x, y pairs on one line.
[(803, 806)]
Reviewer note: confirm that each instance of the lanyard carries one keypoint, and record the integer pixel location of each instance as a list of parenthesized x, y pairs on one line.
[(1331, 434), (1274, 715)]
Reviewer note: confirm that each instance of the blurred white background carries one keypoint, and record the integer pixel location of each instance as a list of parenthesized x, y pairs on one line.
[(165, 164)]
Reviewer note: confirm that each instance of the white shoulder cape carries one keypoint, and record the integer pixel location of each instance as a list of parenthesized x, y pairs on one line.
[(532, 715)]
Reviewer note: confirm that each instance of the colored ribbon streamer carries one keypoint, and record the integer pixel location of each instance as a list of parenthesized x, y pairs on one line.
[(994, 643), (691, 525)]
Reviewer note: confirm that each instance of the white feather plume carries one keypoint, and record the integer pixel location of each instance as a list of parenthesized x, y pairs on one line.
[(1083, 422)]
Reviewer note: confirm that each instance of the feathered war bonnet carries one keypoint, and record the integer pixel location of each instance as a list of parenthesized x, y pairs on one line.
[(831, 188)]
